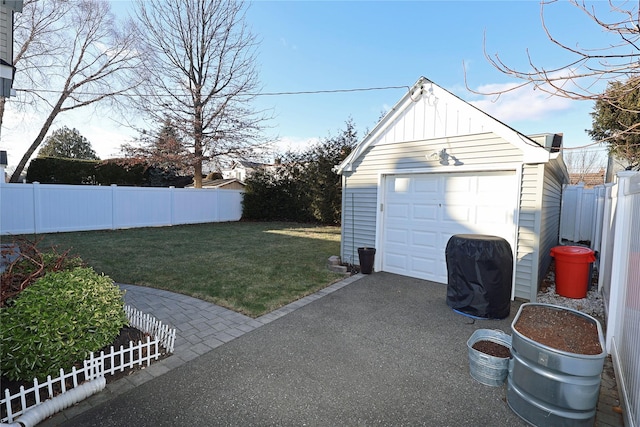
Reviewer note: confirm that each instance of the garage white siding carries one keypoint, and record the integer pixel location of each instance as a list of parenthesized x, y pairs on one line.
[(528, 232), (554, 177)]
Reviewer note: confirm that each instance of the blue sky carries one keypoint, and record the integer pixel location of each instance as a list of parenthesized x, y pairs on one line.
[(329, 45)]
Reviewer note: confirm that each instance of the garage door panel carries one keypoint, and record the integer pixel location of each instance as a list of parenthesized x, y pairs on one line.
[(458, 214), (423, 265), (398, 236), (489, 215), (399, 211), (460, 184), (423, 211), (424, 239), (488, 184), (427, 185), (396, 261)]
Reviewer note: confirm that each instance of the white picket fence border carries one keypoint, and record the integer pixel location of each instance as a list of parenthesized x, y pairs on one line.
[(94, 367), (152, 326)]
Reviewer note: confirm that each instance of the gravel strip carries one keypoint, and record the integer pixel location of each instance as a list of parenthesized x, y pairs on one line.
[(592, 305)]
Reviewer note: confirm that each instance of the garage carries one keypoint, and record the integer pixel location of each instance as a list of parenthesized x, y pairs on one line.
[(422, 211), (435, 166)]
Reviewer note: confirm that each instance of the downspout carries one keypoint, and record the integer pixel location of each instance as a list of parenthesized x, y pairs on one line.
[(49, 407)]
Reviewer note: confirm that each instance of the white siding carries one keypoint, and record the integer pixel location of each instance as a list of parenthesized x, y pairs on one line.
[(5, 43), (539, 225), (554, 178), (528, 232)]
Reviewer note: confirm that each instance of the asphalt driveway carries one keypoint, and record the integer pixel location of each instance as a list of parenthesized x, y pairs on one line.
[(384, 350)]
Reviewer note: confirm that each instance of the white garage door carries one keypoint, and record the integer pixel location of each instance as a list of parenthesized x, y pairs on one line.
[(422, 211)]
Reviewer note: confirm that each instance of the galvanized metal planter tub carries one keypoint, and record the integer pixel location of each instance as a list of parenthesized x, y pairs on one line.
[(485, 368), (547, 386)]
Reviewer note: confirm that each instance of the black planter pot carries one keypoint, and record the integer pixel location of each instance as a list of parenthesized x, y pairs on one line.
[(367, 257)]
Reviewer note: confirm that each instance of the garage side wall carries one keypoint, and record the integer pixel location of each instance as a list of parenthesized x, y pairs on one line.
[(555, 176), (539, 225), (529, 225), (360, 186)]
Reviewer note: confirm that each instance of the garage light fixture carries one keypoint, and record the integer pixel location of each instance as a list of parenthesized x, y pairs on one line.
[(443, 158)]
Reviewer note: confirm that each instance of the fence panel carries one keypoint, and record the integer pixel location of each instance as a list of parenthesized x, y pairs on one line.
[(16, 209), (623, 313), (72, 208), (49, 208), (578, 213), (141, 207)]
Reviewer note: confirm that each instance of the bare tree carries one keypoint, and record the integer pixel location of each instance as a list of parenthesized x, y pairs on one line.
[(578, 78), (591, 71), (74, 55), (583, 162), (37, 31), (200, 74)]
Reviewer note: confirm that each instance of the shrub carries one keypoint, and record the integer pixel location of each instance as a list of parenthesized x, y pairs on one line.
[(58, 321), (303, 187)]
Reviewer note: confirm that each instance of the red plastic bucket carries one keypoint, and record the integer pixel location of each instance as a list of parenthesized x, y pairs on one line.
[(572, 270)]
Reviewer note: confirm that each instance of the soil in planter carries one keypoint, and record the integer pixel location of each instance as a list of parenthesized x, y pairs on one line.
[(492, 349), (559, 329)]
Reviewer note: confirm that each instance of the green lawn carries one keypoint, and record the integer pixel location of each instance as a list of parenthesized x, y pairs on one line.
[(249, 267)]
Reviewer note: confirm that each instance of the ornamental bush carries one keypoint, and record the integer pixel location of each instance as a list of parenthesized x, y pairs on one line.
[(57, 321)]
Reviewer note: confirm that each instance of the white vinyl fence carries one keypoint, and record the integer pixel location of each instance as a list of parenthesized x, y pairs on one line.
[(619, 282), (578, 209), (51, 208), (95, 367), (608, 216)]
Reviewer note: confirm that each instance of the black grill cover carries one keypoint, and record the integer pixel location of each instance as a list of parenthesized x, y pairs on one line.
[(480, 269)]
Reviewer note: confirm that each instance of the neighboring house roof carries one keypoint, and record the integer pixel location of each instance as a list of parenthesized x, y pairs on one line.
[(459, 118), (589, 180), (230, 183), (249, 165)]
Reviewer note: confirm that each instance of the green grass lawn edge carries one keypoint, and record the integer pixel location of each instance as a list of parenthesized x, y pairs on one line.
[(249, 267)]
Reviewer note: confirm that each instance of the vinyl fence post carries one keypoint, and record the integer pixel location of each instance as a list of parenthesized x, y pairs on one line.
[(36, 207), (172, 190), (114, 189)]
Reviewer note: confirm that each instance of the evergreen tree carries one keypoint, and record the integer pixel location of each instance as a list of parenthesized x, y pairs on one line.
[(163, 153), (616, 121), (303, 187), (323, 184), (68, 144)]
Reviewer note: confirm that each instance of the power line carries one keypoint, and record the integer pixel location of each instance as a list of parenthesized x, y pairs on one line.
[(311, 92), (283, 93)]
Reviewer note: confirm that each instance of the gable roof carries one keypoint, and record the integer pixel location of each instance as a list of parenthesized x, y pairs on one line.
[(248, 164), (448, 115)]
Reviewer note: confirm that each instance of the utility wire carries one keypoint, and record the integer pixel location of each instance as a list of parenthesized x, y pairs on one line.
[(311, 92), (284, 93)]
